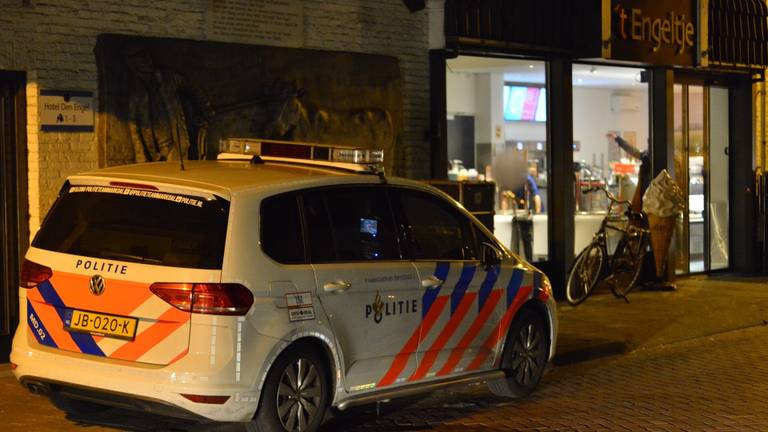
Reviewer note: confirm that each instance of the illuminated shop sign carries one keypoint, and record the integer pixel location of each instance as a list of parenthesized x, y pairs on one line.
[(652, 31), (673, 29)]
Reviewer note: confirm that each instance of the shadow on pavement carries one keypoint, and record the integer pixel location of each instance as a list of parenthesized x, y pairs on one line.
[(144, 422), (700, 306)]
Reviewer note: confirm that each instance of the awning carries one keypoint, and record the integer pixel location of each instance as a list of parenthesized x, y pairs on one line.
[(738, 33)]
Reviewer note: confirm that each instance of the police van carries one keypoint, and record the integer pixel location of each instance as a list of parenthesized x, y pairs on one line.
[(269, 285)]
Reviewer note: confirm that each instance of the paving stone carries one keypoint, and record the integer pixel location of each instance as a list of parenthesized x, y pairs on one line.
[(681, 372)]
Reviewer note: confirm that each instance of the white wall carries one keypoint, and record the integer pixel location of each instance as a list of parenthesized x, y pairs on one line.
[(489, 108), (593, 117), (525, 131), (53, 42), (460, 97)]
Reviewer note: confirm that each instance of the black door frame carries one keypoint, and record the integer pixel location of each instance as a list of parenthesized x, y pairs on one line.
[(14, 207)]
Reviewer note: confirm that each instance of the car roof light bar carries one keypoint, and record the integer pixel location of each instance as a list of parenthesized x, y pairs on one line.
[(326, 155)]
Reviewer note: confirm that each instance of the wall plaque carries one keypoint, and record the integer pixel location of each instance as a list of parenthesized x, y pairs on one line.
[(263, 22), (66, 111)]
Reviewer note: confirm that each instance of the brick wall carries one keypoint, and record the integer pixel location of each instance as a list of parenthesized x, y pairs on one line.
[(53, 41)]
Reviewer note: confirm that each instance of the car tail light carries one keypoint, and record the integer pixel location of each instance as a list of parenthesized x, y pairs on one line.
[(33, 274), (205, 298), (216, 400)]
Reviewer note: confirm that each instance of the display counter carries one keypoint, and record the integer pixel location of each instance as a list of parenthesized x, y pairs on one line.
[(586, 225)]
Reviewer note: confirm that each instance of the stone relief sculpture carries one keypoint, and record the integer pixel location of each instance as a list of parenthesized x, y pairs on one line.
[(158, 120), (162, 98), (292, 118)]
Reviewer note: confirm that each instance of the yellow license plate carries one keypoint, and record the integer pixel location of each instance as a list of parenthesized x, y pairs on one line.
[(103, 324)]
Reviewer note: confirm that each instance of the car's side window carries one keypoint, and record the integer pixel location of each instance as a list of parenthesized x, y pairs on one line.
[(281, 237), (435, 229), (351, 223)]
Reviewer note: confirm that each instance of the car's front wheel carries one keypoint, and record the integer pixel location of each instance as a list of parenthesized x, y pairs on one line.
[(525, 355), (296, 393)]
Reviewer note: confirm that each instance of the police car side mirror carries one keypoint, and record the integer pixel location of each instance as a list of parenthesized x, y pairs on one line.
[(491, 255)]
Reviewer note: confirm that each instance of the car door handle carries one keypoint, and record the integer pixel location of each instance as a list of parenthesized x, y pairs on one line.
[(431, 282), (336, 286)]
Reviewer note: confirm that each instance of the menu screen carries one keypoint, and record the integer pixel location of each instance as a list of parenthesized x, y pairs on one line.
[(524, 103)]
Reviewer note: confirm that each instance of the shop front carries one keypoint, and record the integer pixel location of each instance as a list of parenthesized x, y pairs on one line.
[(532, 96)]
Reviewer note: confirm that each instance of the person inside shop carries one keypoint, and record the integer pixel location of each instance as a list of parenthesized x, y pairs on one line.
[(527, 197), (643, 180), (644, 176)]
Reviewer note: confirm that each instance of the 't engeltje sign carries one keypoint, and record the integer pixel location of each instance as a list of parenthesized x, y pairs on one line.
[(651, 31)]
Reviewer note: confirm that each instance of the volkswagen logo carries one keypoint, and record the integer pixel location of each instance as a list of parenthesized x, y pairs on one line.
[(96, 285)]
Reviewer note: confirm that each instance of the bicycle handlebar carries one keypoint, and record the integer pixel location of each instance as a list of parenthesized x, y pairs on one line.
[(630, 213), (607, 194)]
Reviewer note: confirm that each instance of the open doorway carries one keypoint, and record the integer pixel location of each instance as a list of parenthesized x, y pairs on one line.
[(13, 213)]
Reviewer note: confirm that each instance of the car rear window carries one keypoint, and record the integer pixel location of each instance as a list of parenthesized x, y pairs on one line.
[(137, 225)]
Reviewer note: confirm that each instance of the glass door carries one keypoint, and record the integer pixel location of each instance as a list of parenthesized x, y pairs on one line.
[(718, 206), (701, 170)]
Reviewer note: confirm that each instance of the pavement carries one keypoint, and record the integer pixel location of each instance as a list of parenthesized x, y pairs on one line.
[(700, 306), (690, 359)]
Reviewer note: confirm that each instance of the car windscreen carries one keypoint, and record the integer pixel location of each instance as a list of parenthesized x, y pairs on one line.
[(149, 227)]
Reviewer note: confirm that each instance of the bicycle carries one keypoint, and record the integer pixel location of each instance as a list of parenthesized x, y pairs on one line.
[(624, 268)]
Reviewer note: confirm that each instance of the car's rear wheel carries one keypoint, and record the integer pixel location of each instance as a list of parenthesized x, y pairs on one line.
[(296, 392), (525, 355)]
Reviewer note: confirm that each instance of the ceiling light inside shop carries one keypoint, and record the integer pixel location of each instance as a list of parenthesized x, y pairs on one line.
[(519, 145), (530, 66), (579, 80)]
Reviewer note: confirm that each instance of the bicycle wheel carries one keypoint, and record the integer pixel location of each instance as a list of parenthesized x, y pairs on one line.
[(626, 263), (584, 274)]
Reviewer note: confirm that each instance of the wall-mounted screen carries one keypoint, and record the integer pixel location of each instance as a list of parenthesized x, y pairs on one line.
[(523, 103)]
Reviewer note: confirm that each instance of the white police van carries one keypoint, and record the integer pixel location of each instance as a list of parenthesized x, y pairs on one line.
[(270, 285)]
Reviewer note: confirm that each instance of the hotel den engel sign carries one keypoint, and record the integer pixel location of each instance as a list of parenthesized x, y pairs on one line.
[(66, 111), (261, 22)]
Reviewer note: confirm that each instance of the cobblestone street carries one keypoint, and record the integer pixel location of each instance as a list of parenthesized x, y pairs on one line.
[(692, 359), (715, 383)]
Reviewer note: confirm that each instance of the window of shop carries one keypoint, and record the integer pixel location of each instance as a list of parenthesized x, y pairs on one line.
[(497, 131), (610, 106)]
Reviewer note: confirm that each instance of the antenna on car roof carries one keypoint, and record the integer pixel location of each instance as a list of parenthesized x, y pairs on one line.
[(181, 155)]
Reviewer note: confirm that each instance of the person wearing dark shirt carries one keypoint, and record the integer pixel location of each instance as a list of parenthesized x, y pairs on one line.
[(648, 275), (644, 176), (527, 197)]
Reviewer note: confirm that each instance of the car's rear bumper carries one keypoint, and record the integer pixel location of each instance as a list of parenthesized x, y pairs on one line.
[(129, 402), (150, 388), (136, 388)]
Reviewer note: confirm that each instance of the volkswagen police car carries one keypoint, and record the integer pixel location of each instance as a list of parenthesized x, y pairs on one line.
[(270, 285)]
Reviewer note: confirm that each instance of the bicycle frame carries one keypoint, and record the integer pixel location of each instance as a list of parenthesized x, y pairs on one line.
[(627, 257), (605, 225)]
